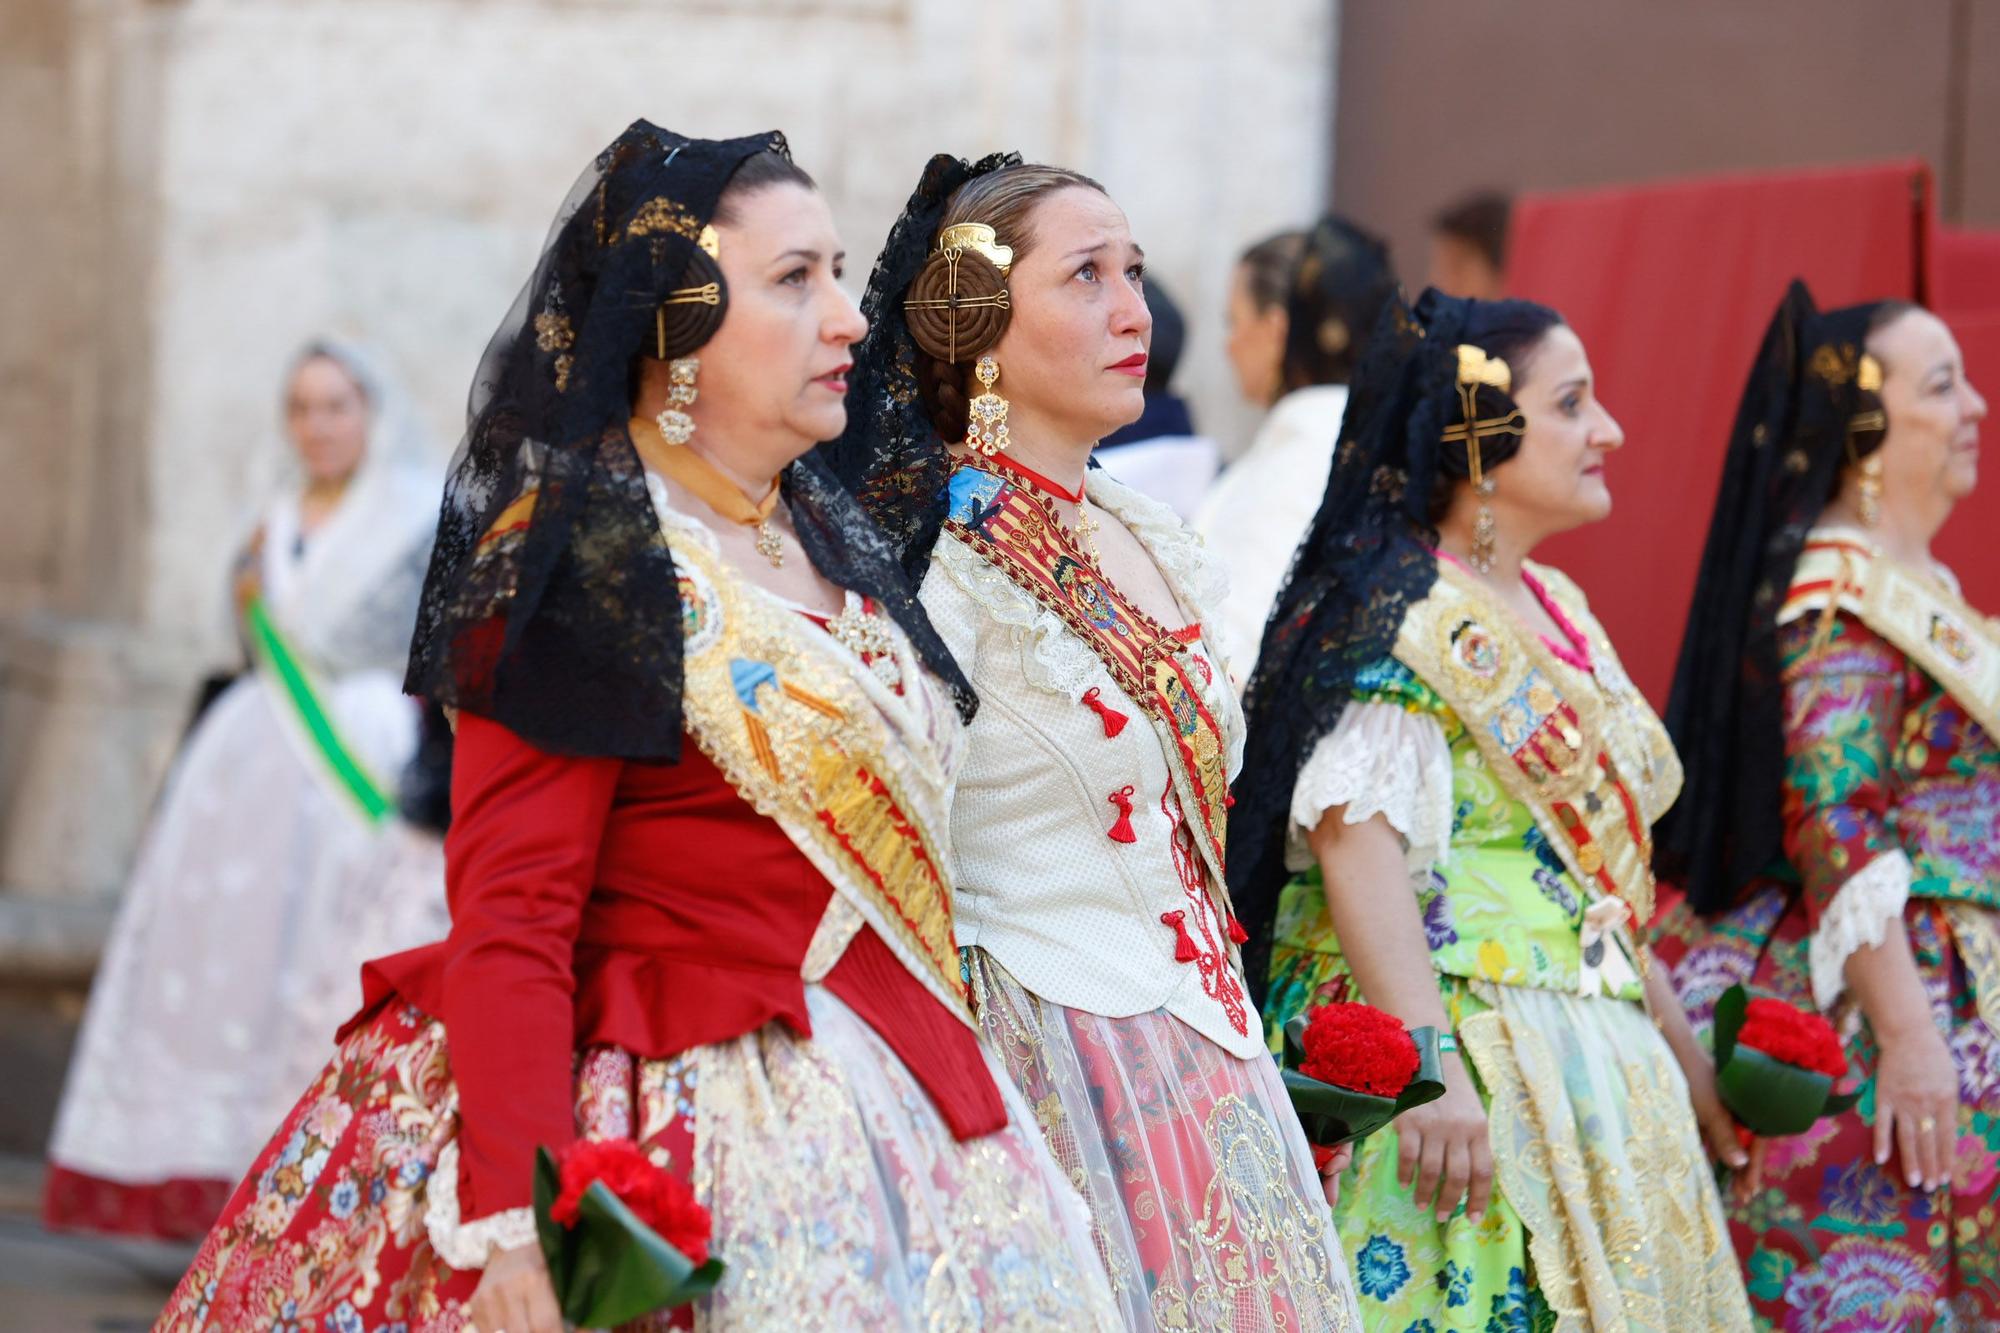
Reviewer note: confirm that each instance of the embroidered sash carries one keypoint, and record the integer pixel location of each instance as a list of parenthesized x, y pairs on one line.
[(1551, 740), (1017, 532), (1955, 646), (800, 736)]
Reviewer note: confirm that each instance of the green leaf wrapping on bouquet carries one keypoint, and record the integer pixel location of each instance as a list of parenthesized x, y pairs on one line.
[(611, 1267), (1771, 1098), (1334, 1115)]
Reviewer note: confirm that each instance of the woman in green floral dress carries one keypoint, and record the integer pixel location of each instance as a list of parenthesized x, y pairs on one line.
[(1442, 737)]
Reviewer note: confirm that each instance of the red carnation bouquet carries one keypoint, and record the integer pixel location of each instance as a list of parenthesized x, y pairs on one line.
[(1776, 1065), (622, 1236), (1352, 1068)]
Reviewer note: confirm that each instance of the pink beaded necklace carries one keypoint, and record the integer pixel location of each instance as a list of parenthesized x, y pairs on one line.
[(1576, 651)]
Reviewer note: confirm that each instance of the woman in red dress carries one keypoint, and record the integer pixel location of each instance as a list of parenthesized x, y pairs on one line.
[(737, 953)]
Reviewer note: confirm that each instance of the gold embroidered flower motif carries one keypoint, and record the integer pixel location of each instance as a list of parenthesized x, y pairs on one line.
[(869, 638), (661, 215), (553, 332), (1835, 365)]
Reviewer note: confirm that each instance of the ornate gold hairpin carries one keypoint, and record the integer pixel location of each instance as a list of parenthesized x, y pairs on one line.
[(944, 291), (981, 238), (1868, 374), (1475, 367)]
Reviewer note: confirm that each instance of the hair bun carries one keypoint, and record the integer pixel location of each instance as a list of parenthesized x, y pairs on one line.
[(958, 305), (691, 314)]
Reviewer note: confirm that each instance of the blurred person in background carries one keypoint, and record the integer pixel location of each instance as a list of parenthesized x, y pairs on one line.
[(699, 908), (1263, 503), (1837, 705), (1160, 454), (1445, 813), (1469, 246), (275, 861), (1259, 287)]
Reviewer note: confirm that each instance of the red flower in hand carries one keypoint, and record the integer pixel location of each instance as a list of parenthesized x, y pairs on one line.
[(1792, 1036), (1359, 1047), (656, 1196)]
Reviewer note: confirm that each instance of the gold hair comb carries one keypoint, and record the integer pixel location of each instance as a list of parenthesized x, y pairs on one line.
[(980, 237), (1476, 367)]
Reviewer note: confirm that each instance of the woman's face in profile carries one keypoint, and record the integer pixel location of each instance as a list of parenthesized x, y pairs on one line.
[(1931, 447), (778, 364)]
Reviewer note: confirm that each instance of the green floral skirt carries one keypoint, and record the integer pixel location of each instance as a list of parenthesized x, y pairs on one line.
[(1604, 1213)]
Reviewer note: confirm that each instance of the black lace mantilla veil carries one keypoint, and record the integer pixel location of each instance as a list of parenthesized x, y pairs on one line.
[(1366, 559), (1725, 712), (552, 604), (891, 455)]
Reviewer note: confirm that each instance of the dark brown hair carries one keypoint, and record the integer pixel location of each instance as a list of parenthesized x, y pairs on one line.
[(1267, 268), (1861, 443), (1480, 220), (1511, 331), (760, 171)]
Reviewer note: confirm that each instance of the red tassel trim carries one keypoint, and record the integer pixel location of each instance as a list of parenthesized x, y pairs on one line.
[(1113, 720), (1184, 950), (1122, 830), (1237, 935)]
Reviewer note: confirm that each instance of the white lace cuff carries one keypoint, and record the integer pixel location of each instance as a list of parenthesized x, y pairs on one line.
[(1380, 759), (466, 1245), (1860, 916)]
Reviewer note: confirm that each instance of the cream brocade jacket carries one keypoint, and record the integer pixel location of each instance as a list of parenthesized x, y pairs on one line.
[(1064, 763)]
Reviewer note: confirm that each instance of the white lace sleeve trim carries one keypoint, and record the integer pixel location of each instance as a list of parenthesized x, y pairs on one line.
[(466, 1245), (1380, 759), (1862, 912)]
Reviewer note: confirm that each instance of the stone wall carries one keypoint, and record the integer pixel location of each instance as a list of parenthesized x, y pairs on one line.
[(194, 186)]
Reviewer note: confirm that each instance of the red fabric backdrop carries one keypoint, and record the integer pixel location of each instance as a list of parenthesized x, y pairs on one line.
[(1670, 286), (1965, 290)]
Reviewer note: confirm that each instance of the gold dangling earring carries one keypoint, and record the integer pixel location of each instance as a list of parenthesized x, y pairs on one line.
[(1484, 529), (676, 426), (986, 424), (1868, 490)]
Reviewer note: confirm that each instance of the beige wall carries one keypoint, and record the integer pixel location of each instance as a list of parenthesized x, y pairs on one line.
[(1436, 97), (194, 186)]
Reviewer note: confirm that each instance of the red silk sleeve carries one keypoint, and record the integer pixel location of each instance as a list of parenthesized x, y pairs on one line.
[(520, 861)]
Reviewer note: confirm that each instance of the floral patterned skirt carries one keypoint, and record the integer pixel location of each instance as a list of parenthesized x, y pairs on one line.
[(1207, 1210), (840, 1200), (1603, 1216), (1833, 1243)]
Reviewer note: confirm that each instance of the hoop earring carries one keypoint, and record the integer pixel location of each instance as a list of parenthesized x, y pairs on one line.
[(676, 426), (1868, 490), (986, 424)]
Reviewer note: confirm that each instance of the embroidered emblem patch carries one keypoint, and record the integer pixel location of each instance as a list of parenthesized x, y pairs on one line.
[(701, 612), (1951, 639), (1474, 651)]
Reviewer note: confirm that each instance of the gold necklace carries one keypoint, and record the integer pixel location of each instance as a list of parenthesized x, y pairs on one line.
[(688, 469)]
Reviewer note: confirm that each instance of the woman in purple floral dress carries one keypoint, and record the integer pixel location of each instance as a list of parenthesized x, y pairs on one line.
[(1836, 706)]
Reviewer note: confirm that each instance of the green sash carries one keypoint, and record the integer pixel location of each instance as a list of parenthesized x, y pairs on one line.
[(316, 726)]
